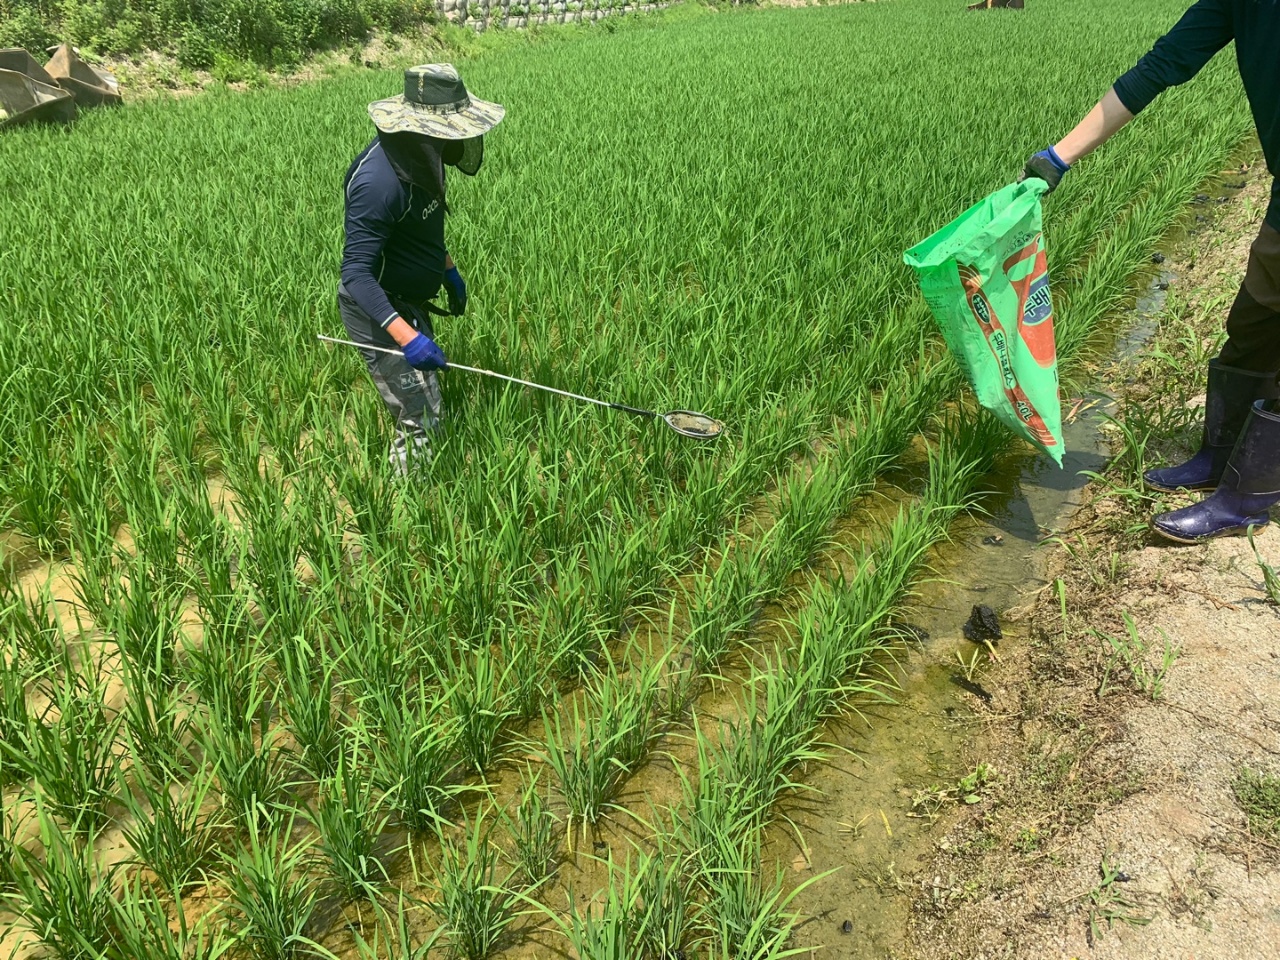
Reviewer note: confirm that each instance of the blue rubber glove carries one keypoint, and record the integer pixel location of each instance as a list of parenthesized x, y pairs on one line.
[(423, 353), (1047, 166), (456, 288)]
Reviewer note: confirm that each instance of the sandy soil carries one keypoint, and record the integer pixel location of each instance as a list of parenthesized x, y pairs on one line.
[(1114, 829)]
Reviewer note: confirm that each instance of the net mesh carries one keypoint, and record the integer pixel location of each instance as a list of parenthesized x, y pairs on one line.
[(690, 424)]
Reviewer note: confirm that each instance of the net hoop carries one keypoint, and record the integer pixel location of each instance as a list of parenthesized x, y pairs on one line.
[(690, 423)]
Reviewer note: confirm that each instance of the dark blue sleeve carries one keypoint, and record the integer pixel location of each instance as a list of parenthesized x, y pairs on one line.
[(372, 209), (1179, 55)]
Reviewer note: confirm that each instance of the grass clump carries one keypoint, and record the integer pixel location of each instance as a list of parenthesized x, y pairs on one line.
[(1258, 795)]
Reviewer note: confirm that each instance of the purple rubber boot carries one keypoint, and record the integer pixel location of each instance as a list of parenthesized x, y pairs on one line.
[(1250, 486), (1230, 394)]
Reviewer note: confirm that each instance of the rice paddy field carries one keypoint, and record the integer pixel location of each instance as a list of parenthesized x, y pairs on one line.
[(261, 698)]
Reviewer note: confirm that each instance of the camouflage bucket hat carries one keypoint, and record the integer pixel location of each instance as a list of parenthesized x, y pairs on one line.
[(436, 103)]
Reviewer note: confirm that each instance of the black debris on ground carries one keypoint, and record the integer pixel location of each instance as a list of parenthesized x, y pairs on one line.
[(909, 631), (995, 540), (982, 625), (1157, 258), (969, 686)]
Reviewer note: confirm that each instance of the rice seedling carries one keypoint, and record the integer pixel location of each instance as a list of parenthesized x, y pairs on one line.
[(534, 833), (143, 618), (473, 903), (608, 735), (722, 605), (169, 830), (394, 937), (746, 915), (32, 627), (72, 758), (608, 927), (64, 896), (142, 928), (350, 818), (308, 682), (35, 486), (8, 847), (237, 735), (413, 752), (525, 666), (475, 683), (272, 894), (15, 716), (665, 910)]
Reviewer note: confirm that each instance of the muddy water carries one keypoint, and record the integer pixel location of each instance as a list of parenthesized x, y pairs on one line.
[(869, 819)]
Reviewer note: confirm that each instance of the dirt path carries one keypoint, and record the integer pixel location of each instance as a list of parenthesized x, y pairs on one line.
[(1116, 827)]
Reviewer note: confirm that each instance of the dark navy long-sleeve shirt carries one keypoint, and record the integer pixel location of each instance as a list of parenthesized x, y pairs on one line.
[(395, 237), (1204, 30)]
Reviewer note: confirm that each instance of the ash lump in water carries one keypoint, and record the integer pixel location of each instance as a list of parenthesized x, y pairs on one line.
[(969, 686), (982, 625), (909, 631)]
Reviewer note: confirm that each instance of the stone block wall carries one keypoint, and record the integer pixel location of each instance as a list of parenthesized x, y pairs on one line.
[(482, 14)]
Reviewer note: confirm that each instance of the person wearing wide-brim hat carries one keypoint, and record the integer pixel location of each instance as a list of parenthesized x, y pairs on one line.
[(395, 259)]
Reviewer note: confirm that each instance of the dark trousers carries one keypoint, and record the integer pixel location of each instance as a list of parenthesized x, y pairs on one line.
[(1253, 325), (412, 396)]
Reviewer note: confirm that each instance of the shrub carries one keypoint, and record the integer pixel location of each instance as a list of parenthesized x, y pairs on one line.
[(267, 32)]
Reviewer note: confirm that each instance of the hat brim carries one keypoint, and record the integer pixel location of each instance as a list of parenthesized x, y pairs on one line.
[(398, 115)]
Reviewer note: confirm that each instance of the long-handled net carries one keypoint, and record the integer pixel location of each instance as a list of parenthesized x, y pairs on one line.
[(687, 423)]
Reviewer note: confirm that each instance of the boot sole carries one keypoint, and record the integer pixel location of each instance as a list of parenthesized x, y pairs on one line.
[(1164, 488), (1228, 532)]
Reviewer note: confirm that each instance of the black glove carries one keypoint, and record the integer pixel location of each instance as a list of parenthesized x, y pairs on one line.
[(1047, 166)]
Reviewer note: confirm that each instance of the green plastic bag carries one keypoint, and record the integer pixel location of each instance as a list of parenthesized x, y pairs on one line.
[(985, 276)]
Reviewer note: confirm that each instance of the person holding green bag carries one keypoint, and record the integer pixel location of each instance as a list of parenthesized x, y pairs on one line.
[(1239, 455)]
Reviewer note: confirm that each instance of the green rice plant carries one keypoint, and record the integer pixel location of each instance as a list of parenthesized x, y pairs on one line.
[(32, 625), (746, 916), (473, 903), (350, 819), (680, 689), (534, 833), (8, 845), (525, 666), (610, 733), (394, 937), (239, 739), (72, 758), (144, 620), (36, 484), (722, 604), (308, 682), (15, 714), (141, 928), (93, 513), (665, 909), (272, 894), (223, 669), (570, 636), (156, 725), (414, 753), (608, 927), (169, 831), (475, 683), (63, 896)]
